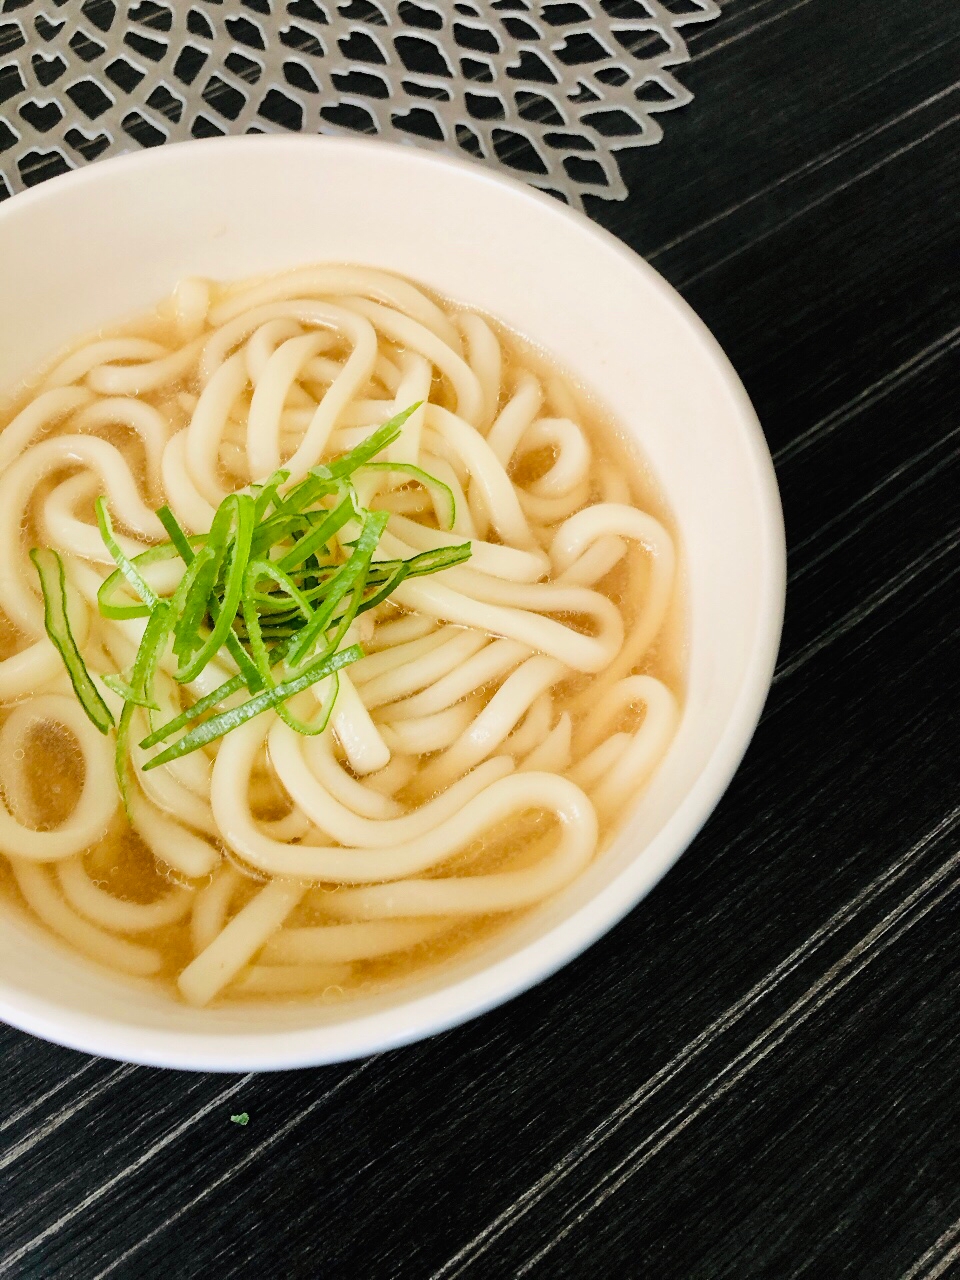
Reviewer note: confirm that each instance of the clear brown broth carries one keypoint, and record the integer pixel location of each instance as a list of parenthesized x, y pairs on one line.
[(123, 865)]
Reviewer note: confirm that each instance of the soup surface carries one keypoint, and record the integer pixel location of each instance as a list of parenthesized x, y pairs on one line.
[(495, 571)]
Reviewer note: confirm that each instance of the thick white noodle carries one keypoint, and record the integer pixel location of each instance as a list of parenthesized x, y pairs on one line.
[(390, 779), (585, 528), (417, 673), (587, 772), (398, 654), (210, 906), (263, 446), (486, 361), (572, 460), (551, 509), (414, 388), (191, 302), (360, 738), (487, 557), (399, 848), (515, 418), (340, 943), (261, 345), (171, 842), (62, 528), (498, 891), (495, 488), (532, 729), (494, 660), (184, 498), (91, 355), (576, 650), (207, 427), (361, 798), (424, 734), (96, 803), (488, 729), (409, 333), (20, 601), (234, 763), (397, 629), (492, 694), (595, 563), (35, 666), (239, 941), (148, 375), (116, 914), (37, 417), (336, 281), (552, 755), (648, 745), (41, 895)]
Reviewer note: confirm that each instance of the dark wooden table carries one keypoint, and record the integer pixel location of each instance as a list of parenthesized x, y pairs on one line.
[(757, 1074)]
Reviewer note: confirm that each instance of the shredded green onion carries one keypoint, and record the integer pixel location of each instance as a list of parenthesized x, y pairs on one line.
[(217, 726), (125, 566), (443, 492), (236, 567), (177, 536), (267, 493), (320, 535), (150, 651), (106, 595), (53, 584), (270, 590)]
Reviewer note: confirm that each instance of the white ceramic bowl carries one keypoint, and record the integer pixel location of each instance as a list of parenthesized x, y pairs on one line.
[(111, 240)]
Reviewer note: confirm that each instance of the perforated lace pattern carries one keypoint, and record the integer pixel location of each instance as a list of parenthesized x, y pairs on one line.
[(547, 91)]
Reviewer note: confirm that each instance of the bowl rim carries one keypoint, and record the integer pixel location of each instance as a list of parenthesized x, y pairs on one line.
[(410, 1020)]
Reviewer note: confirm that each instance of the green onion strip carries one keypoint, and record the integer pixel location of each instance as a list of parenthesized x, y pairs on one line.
[(269, 591), (443, 494), (57, 623)]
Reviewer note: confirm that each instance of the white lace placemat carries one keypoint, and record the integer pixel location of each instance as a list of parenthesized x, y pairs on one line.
[(546, 91)]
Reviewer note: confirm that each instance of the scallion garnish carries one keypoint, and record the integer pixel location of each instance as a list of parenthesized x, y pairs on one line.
[(443, 492), (53, 584), (126, 567), (272, 589), (220, 724), (179, 539), (149, 653)]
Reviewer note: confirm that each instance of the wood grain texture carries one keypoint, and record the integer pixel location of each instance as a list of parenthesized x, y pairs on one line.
[(757, 1073)]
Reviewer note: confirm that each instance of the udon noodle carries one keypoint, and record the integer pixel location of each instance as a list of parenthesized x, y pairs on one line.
[(505, 712)]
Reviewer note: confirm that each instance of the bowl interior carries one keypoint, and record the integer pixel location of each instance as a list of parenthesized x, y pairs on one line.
[(110, 241)]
